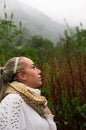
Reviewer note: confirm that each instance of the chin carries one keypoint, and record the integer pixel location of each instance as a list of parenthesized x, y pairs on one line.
[(40, 86)]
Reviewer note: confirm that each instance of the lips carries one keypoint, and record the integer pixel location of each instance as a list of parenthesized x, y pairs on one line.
[(40, 78)]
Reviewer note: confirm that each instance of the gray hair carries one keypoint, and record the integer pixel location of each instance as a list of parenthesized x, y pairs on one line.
[(9, 71)]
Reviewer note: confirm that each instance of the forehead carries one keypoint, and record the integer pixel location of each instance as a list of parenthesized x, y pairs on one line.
[(27, 61)]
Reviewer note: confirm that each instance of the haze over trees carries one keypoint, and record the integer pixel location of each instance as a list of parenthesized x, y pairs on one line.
[(34, 22)]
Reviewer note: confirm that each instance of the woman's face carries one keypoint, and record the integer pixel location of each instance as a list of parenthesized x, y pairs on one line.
[(32, 75)]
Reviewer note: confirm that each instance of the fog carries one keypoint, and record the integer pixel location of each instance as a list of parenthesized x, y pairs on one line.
[(73, 11)]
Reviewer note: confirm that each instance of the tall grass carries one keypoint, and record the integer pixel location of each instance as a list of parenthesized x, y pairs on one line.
[(65, 79)]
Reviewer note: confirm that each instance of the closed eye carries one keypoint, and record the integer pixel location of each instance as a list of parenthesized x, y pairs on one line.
[(33, 66)]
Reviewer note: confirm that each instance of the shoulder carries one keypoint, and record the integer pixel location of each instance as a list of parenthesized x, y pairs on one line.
[(12, 99), (11, 113), (11, 103)]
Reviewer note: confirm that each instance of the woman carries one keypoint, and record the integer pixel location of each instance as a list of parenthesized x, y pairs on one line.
[(22, 107)]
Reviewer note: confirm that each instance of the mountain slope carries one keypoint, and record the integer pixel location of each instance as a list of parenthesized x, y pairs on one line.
[(34, 22)]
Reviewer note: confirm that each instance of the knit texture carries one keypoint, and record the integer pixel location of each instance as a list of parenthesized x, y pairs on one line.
[(37, 102)]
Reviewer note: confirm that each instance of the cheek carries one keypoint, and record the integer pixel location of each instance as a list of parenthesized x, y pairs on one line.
[(32, 76), (33, 80)]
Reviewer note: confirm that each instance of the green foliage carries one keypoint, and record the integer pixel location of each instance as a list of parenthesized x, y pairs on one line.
[(76, 40), (12, 41), (40, 42), (73, 115), (43, 46), (9, 33), (27, 51)]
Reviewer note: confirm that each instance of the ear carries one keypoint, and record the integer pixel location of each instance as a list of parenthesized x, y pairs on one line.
[(21, 76)]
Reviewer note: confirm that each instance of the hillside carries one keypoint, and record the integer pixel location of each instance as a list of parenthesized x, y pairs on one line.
[(34, 22)]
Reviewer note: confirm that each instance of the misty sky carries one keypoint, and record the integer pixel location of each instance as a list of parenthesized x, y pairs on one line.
[(71, 10)]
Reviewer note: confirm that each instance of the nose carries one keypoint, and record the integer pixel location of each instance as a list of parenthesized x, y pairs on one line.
[(39, 71)]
